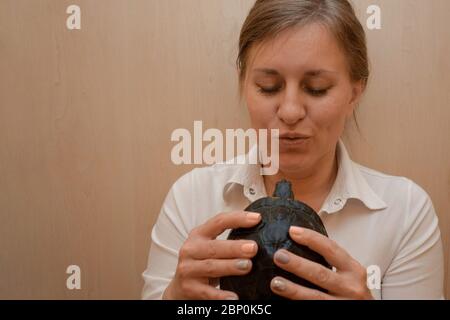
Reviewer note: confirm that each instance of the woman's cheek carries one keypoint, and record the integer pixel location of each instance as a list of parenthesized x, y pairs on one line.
[(332, 122), (321, 114), (327, 110), (262, 112)]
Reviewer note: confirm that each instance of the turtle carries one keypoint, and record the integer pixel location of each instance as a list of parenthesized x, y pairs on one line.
[(278, 213)]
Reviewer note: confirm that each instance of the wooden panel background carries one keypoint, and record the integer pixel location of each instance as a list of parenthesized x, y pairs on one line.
[(86, 117)]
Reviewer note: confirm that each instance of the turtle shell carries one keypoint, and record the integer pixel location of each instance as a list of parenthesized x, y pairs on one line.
[(278, 213)]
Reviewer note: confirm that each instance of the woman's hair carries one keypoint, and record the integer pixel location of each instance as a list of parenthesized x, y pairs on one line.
[(267, 18)]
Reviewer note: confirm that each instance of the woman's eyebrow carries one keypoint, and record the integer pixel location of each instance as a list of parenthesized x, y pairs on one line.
[(271, 72), (318, 72), (309, 73)]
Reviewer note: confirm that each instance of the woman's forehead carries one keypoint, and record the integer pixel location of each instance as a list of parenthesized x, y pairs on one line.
[(310, 48)]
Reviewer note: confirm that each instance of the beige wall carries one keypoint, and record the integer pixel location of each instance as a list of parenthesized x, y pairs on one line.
[(86, 118)]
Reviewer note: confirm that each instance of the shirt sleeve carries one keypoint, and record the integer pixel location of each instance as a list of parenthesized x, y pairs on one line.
[(168, 234), (417, 269)]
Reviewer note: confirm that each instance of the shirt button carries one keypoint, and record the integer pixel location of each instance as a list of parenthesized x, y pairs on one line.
[(337, 201), (252, 191)]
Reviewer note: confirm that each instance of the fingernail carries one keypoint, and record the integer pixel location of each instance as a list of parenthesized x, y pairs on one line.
[(232, 298), (278, 284), (253, 216), (248, 247), (281, 257), (296, 230), (242, 264)]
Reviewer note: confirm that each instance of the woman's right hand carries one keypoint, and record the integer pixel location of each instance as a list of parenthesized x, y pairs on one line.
[(202, 259)]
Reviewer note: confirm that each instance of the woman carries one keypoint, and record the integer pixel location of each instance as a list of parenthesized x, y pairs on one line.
[(303, 67)]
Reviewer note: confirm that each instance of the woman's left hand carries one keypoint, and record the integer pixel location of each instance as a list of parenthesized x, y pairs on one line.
[(348, 282)]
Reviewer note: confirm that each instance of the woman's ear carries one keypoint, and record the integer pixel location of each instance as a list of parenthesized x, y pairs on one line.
[(358, 88)]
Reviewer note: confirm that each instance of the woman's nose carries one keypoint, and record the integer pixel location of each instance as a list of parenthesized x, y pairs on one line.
[(292, 108)]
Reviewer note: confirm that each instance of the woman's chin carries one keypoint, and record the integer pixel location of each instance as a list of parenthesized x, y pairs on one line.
[(292, 163)]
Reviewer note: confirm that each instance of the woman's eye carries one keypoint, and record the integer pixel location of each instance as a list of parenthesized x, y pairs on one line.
[(274, 90), (317, 92), (269, 91)]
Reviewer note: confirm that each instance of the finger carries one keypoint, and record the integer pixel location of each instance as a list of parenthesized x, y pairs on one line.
[(329, 249), (290, 290), (200, 291), (223, 221), (214, 282), (308, 270), (220, 249), (214, 268)]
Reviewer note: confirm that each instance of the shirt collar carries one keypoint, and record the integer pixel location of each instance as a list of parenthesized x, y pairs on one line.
[(246, 176), (349, 183)]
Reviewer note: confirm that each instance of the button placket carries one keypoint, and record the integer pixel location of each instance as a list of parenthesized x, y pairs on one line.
[(338, 203), (251, 192)]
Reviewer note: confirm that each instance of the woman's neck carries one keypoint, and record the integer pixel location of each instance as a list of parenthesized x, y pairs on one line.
[(309, 185)]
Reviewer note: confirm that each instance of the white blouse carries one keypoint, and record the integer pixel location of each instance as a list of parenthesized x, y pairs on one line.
[(387, 223)]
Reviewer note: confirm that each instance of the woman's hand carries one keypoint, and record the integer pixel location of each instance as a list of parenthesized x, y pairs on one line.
[(203, 259), (348, 282)]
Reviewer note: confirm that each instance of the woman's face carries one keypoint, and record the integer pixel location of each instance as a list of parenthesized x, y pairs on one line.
[(299, 83)]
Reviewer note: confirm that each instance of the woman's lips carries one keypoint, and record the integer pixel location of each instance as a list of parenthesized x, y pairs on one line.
[(286, 141), (293, 135)]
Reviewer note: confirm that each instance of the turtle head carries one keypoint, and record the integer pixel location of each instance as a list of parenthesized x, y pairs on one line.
[(283, 190)]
